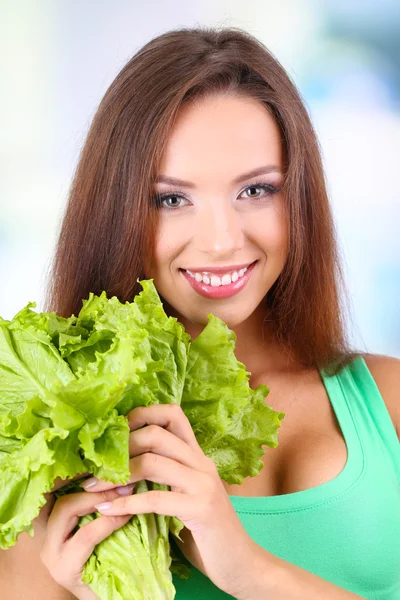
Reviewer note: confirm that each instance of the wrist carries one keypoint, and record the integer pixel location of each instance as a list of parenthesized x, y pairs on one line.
[(260, 575)]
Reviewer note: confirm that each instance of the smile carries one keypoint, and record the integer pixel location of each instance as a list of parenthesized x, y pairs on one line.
[(211, 285), (215, 280)]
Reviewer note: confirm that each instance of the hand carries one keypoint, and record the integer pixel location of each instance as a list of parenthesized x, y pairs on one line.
[(64, 554), (166, 451)]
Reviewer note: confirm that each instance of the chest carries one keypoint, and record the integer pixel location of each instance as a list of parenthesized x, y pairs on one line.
[(311, 449)]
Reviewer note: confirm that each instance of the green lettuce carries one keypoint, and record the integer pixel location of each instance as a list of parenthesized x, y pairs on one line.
[(66, 386)]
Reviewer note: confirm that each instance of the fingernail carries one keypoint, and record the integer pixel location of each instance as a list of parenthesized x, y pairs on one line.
[(103, 505), (89, 483), (125, 490)]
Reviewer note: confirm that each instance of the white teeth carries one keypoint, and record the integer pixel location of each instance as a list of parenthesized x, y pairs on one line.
[(216, 280)]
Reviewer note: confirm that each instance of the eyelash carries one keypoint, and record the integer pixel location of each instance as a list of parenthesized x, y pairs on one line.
[(271, 191)]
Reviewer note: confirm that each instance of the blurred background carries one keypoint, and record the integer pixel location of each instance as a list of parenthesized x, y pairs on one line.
[(58, 59)]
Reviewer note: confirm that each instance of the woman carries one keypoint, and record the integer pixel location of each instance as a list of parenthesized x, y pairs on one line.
[(247, 234)]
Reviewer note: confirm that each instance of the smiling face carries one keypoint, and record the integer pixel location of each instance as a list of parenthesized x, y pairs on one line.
[(222, 218)]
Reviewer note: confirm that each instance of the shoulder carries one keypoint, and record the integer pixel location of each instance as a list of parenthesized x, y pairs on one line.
[(386, 372)]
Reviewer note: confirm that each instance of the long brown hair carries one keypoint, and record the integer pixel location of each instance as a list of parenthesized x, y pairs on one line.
[(107, 231)]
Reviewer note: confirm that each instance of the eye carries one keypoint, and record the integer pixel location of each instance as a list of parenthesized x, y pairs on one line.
[(268, 188), (176, 199), (162, 200)]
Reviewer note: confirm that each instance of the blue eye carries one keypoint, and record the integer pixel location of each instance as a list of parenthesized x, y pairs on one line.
[(177, 196)]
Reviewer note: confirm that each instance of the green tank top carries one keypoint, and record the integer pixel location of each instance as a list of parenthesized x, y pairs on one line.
[(347, 530)]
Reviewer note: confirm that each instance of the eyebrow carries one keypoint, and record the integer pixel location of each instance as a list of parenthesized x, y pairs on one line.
[(240, 179)]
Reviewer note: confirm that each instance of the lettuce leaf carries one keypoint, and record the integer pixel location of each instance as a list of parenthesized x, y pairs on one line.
[(66, 386)]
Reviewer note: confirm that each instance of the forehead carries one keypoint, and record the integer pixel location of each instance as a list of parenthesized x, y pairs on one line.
[(222, 137)]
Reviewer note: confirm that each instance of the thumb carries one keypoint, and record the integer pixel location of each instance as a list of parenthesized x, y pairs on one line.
[(80, 546)]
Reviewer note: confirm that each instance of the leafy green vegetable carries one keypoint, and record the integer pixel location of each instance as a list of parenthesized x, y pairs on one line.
[(66, 386)]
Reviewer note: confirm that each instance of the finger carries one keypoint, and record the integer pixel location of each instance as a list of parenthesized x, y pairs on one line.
[(79, 547), (170, 416), (99, 485), (65, 516), (156, 501), (159, 469), (159, 441), (59, 483)]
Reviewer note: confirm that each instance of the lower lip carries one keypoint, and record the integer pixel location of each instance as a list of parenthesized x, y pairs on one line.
[(221, 291)]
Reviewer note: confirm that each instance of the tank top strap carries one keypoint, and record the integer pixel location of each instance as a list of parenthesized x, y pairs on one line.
[(375, 427)]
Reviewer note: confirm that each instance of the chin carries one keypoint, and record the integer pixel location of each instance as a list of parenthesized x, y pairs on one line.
[(232, 318), (189, 314)]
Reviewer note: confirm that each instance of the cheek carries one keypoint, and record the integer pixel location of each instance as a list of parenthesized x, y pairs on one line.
[(170, 238), (270, 233)]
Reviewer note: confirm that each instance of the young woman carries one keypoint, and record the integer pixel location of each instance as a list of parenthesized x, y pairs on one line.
[(202, 171)]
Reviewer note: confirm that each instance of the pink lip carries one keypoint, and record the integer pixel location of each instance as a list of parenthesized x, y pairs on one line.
[(222, 291), (219, 270)]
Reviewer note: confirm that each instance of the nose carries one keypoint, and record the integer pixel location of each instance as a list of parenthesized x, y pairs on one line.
[(220, 230)]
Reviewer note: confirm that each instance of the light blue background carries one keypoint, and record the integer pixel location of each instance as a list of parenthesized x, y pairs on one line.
[(58, 59)]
